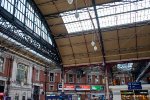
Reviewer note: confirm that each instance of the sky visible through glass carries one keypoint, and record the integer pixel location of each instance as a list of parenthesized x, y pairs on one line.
[(110, 14), (125, 67)]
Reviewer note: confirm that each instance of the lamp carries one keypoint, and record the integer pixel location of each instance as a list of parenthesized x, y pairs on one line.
[(95, 48), (70, 1), (93, 43), (76, 13)]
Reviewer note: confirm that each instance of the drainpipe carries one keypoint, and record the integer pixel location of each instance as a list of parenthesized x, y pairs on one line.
[(100, 38)]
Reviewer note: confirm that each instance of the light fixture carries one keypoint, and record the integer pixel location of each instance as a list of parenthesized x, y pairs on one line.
[(93, 43), (95, 48), (70, 1), (76, 13)]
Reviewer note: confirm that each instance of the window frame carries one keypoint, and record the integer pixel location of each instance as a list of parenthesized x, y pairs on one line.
[(96, 77), (26, 12), (27, 67), (69, 78), (53, 80), (89, 79), (3, 64)]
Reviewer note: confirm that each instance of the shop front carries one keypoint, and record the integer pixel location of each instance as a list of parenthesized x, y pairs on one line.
[(134, 95)]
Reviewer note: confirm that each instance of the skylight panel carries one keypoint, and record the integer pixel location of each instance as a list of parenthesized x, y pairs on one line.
[(83, 23), (125, 67), (109, 15)]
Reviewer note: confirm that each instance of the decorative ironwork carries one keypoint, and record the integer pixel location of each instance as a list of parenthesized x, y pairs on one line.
[(22, 37)]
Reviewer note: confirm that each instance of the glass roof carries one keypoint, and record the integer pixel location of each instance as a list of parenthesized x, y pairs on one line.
[(110, 14), (28, 15), (125, 67)]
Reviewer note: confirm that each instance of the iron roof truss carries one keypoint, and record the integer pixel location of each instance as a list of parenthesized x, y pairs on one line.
[(15, 29)]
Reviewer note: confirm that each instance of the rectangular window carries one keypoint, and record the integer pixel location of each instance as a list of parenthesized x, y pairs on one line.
[(89, 78), (37, 75), (1, 64), (70, 78), (97, 79), (20, 10), (37, 25), (51, 87), (29, 16), (78, 78), (22, 72), (51, 79), (8, 5)]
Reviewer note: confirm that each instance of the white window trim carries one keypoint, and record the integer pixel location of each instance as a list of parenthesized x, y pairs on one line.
[(53, 77), (97, 78), (27, 70), (91, 79), (3, 64), (72, 78)]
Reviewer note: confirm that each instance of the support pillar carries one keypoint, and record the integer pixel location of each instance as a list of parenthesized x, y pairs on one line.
[(107, 84), (45, 73), (62, 78)]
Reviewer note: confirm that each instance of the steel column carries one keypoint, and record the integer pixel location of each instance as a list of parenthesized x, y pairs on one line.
[(102, 49)]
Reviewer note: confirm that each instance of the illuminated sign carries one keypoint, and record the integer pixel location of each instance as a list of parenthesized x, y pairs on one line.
[(136, 92), (97, 87), (127, 92), (82, 87), (1, 94), (66, 87), (141, 92)]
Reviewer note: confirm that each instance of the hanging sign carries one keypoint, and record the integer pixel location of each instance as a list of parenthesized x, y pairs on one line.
[(66, 87), (134, 85), (82, 87), (97, 87)]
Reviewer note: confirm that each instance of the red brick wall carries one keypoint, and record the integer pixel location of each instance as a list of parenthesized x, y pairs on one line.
[(7, 68), (57, 77)]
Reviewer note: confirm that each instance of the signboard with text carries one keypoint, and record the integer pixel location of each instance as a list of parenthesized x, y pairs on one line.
[(66, 87), (134, 85), (82, 87), (97, 87), (127, 92)]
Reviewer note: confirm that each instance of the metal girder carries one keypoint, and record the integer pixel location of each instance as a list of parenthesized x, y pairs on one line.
[(26, 38), (57, 14), (99, 33)]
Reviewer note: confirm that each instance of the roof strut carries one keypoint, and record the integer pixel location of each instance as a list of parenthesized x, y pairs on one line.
[(99, 33)]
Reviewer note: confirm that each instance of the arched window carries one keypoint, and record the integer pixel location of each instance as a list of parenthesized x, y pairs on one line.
[(22, 72), (1, 64)]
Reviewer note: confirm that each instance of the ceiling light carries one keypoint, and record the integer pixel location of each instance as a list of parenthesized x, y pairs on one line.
[(93, 43), (70, 1), (77, 14), (95, 48)]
